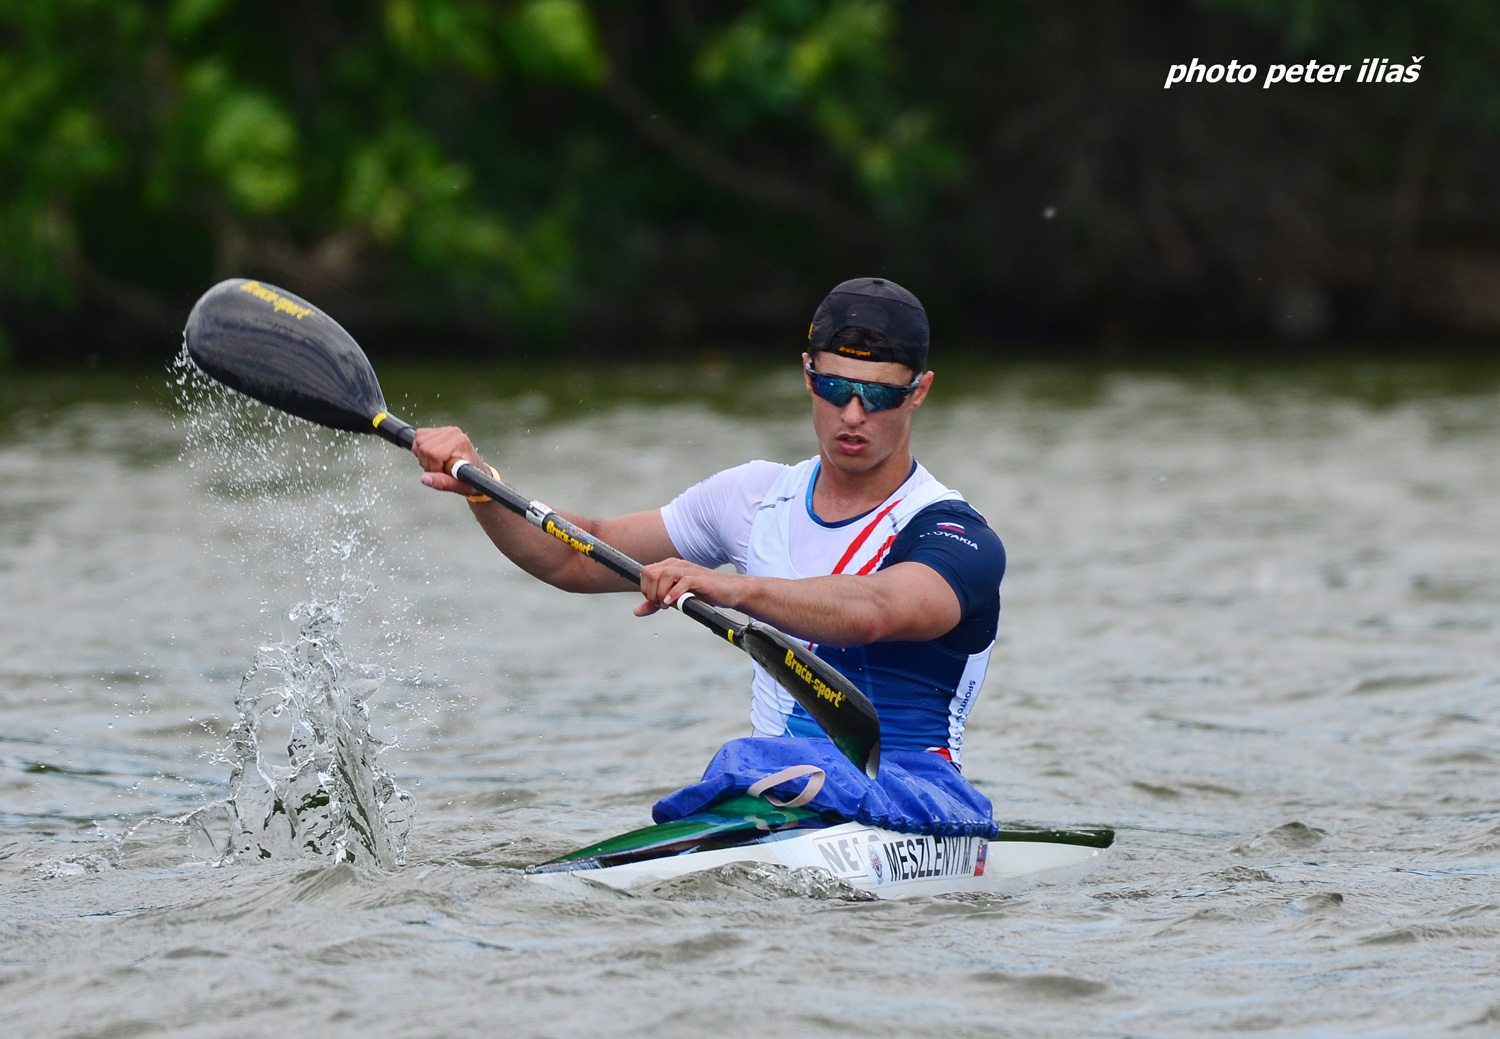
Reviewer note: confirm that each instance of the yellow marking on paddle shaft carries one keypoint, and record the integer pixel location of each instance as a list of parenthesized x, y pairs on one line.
[(568, 539), (378, 419), (821, 688), (277, 301)]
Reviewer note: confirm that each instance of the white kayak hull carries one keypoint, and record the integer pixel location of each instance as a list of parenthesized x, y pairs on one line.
[(883, 862)]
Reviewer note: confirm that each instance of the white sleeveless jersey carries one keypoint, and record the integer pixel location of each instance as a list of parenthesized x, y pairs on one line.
[(708, 525)]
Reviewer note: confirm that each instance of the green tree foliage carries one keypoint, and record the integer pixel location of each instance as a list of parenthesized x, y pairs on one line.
[(409, 158), (540, 171)]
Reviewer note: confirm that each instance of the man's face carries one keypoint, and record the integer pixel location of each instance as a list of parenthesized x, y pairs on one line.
[(853, 440)]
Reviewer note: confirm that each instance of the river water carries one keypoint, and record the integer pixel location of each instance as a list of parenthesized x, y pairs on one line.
[(1250, 622)]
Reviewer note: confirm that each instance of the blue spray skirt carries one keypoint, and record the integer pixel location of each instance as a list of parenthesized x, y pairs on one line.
[(916, 791)]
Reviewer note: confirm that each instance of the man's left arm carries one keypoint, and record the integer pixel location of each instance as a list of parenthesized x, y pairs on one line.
[(924, 596), (907, 602)]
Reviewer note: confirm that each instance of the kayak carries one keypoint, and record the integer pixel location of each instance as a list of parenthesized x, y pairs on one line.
[(882, 862)]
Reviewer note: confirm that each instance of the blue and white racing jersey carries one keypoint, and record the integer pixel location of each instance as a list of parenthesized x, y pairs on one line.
[(759, 517)]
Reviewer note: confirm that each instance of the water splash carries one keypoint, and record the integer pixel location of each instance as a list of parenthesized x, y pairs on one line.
[(305, 776), (301, 505)]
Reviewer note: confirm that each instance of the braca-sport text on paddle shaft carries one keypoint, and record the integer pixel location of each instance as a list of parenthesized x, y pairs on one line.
[(285, 352)]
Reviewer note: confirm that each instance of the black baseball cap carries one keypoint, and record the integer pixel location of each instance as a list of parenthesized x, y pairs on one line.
[(881, 306)]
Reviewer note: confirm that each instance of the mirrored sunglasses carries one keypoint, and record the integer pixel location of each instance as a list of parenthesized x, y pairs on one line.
[(875, 396)]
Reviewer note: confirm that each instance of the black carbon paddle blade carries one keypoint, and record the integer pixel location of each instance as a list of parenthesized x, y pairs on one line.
[(285, 352), (835, 703)]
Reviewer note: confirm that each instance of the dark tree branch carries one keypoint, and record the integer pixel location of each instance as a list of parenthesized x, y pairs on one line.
[(767, 189)]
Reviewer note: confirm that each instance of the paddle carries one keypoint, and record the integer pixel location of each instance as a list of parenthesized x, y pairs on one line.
[(285, 352)]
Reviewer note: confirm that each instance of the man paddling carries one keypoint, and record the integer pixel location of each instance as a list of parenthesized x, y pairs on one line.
[(858, 550)]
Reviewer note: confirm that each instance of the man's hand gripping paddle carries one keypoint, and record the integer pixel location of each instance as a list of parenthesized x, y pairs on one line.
[(285, 352)]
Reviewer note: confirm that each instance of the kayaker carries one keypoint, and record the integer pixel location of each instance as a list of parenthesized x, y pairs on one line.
[(891, 576)]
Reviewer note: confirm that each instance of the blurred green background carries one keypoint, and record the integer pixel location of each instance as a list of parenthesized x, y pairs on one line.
[(522, 178)]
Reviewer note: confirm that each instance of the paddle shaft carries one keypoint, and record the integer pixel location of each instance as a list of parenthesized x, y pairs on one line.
[(545, 518)]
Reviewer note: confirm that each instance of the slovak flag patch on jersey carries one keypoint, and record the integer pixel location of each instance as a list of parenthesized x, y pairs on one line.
[(957, 527)]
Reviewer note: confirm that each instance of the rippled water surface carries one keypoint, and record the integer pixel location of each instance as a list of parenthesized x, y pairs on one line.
[(1251, 621)]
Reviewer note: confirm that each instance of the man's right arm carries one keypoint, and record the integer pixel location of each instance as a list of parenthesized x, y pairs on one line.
[(640, 535)]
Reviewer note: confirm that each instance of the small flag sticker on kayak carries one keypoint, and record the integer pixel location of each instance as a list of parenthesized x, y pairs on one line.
[(952, 526)]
